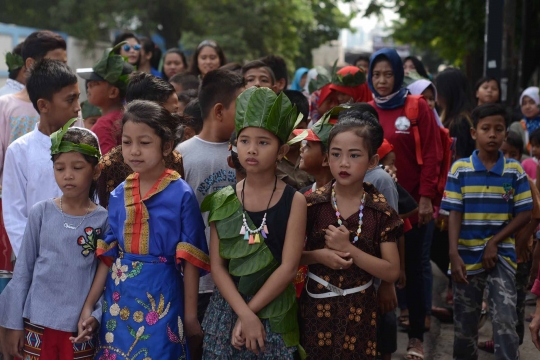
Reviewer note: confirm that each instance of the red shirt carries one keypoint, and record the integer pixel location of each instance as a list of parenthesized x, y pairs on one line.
[(417, 180), (108, 129)]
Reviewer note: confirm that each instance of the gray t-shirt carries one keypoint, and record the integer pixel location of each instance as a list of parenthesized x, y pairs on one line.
[(206, 171), (54, 270), (384, 183)]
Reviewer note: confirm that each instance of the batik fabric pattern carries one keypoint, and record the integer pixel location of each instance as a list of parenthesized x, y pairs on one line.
[(344, 327), (150, 238)]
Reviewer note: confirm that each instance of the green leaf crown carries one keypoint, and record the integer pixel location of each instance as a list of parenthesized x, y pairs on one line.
[(323, 127), (262, 108), (110, 67), (58, 146), (89, 110), (14, 61), (349, 80)]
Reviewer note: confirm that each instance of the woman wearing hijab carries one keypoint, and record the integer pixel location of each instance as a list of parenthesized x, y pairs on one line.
[(385, 79), (300, 78), (529, 102)]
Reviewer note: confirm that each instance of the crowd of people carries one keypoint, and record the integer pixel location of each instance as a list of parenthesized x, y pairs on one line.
[(212, 210)]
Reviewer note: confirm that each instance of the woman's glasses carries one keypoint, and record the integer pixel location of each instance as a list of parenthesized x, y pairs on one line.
[(128, 47)]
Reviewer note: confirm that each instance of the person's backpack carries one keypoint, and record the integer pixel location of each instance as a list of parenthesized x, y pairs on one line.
[(448, 144)]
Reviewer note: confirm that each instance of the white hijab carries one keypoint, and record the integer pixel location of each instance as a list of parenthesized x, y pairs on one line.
[(533, 93), (418, 87)]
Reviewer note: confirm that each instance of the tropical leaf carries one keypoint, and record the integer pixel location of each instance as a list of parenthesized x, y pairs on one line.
[(259, 107), (286, 322), (241, 109), (216, 199), (237, 247), (250, 284), (291, 338), (252, 263), (56, 137), (280, 305), (229, 227), (228, 208), (301, 352)]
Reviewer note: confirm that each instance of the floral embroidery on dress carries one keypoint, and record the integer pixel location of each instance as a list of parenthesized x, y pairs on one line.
[(154, 314), (89, 241), (177, 339), (119, 272)]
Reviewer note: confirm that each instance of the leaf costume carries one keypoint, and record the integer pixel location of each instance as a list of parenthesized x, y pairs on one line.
[(251, 263)]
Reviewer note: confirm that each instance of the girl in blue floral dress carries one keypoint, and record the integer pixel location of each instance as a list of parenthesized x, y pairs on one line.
[(153, 254)]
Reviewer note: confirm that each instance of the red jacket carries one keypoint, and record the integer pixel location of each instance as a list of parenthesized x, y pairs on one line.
[(417, 180), (108, 129)]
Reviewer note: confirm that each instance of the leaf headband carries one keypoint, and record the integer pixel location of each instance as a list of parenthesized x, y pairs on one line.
[(58, 146)]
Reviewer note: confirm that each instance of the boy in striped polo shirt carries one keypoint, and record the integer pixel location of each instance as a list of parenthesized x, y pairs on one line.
[(489, 199)]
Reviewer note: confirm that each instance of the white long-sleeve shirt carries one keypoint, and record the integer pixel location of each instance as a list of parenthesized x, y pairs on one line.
[(28, 179)]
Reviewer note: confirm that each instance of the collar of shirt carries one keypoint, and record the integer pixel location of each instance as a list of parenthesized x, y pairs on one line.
[(498, 168), (14, 84)]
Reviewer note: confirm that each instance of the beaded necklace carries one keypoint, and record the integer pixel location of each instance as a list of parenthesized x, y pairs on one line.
[(254, 236), (360, 215)]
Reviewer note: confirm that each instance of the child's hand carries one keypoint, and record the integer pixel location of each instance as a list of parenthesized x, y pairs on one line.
[(253, 331), (194, 336), (489, 260), (14, 343), (333, 259), (86, 327), (402, 281), (459, 271), (387, 297), (338, 238), (237, 339)]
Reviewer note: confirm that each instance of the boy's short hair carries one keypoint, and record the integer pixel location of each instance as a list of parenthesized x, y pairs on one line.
[(301, 102), (278, 66), (514, 139), (258, 64), (48, 77), (39, 43), (234, 154), (186, 80), (534, 137), (17, 50), (232, 66), (187, 96), (218, 86), (486, 110), (192, 116), (144, 86)]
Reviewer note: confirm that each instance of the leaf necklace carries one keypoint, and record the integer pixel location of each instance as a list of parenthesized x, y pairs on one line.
[(360, 214), (69, 226), (254, 236)]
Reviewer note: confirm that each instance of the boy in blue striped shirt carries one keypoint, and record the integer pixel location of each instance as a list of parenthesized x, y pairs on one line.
[(489, 199)]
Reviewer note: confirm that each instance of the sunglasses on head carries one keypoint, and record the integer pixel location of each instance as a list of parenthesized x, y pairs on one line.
[(128, 47)]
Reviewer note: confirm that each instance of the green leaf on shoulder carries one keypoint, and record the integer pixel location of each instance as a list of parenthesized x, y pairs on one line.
[(216, 199), (252, 263), (229, 207)]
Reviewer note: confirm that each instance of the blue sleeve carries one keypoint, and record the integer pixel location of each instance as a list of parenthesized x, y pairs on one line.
[(453, 198)]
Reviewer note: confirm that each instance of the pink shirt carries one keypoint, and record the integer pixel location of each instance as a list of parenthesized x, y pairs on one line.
[(529, 165), (17, 118)]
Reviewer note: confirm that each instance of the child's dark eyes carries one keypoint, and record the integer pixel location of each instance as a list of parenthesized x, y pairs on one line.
[(335, 154), (126, 142), (263, 143), (145, 143)]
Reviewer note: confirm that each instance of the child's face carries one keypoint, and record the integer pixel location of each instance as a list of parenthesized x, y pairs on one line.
[(172, 104), (349, 158), (141, 148), (383, 77), (529, 108), (74, 174), (390, 161), (430, 97), (259, 77), (488, 92), (363, 64), (312, 158), (63, 106), (489, 133), (408, 66), (510, 152), (207, 60), (173, 64), (97, 93), (90, 121), (343, 98), (258, 150), (535, 149)]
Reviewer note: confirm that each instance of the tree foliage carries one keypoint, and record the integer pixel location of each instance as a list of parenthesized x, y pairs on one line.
[(246, 29)]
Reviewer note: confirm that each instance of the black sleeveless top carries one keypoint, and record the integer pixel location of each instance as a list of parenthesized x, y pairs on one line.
[(276, 221)]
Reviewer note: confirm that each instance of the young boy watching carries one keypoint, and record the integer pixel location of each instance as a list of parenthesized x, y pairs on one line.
[(184, 81), (142, 86), (192, 119), (489, 200), (257, 73), (28, 169), (279, 67), (106, 89), (205, 155)]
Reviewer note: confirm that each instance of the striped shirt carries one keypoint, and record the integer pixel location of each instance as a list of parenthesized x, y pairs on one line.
[(488, 200)]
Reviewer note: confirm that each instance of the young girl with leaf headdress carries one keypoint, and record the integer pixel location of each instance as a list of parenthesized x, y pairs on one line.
[(40, 307), (257, 236)]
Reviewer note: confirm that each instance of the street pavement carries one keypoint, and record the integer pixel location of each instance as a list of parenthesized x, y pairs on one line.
[(439, 340)]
